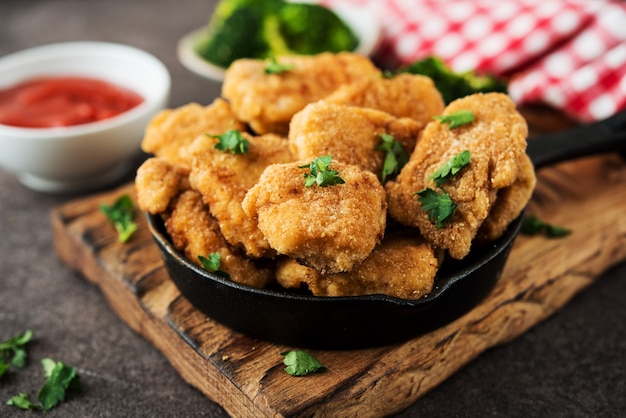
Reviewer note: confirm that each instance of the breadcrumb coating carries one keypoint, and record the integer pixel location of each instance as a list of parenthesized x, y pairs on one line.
[(404, 95), (401, 266), (157, 182), (268, 101), (171, 131), (224, 178), (350, 134), (195, 232), (510, 201), (496, 141), (331, 228)]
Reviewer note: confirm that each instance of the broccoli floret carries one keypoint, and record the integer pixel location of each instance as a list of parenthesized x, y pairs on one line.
[(311, 29), (265, 28), (454, 85), (226, 41)]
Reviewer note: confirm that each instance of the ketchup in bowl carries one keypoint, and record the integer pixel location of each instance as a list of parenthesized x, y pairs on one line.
[(63, 101)]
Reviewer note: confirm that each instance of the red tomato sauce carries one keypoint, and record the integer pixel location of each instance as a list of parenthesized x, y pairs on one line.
[(63, 101)]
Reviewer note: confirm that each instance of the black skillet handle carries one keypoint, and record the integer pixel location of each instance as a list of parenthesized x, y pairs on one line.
[(608, 135)]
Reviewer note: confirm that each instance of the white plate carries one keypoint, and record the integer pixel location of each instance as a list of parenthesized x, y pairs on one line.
[(363, 23)]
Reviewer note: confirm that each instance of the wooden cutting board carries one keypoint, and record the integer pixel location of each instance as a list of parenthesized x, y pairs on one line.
[(246, 376)]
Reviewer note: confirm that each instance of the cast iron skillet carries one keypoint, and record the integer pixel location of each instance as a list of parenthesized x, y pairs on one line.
[(302, 320)]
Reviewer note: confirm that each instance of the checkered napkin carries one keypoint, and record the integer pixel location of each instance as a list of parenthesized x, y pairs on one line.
[(569, 54)]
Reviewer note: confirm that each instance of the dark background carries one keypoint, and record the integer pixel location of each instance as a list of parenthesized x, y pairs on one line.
[(572, 365)]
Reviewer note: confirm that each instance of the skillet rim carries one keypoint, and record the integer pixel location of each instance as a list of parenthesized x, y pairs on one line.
[(442, 283)]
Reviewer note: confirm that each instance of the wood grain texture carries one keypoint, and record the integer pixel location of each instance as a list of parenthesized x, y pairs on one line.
[(246, 375)]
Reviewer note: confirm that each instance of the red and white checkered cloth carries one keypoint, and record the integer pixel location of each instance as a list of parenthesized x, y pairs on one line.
[(570, 54)]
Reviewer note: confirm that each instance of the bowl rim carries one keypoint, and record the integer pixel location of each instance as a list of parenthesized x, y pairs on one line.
[(31, 55)]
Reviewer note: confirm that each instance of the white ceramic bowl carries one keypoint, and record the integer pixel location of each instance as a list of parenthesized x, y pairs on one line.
[(82, 157), (363, 22)]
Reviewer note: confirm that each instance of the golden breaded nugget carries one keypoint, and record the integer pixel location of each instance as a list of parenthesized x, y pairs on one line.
[(401, 266), (496, 141), (330, 228), (350, 134), (171, 131), (268, 101), (510, 201), (224, 178), (405, 95), (196, 233), (157, 182)]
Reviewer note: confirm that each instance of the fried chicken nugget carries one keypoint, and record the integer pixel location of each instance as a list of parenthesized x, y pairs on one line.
[(510, 201), (405, 95), (195, 232), (171, 131), (496, 141), (401, 266), (350, 134), (157, 182), (268, 101), (224, 178), (330, 228)]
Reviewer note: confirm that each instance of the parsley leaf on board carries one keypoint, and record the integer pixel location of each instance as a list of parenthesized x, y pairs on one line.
[(22, 401), (13, 351), (120, 214), (456, 119), (212, 263), (231, 141), (301, 363), (396, 157), (451, 167), (274, 67), (59, 378), (439, 206), (320, 173), (532, 225)]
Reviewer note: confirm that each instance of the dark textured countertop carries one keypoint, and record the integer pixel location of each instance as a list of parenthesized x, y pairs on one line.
[(571, 365)]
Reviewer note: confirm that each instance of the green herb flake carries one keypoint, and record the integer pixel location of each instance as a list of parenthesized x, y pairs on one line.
[(451, 167), (120, 214), (396, 157), (212, 263), (439, 206), (59, 379), (320, 173), (532, 225), (274, 67), (231, 141), (13, 351), (301, 363), (456, 119), (22, 401)]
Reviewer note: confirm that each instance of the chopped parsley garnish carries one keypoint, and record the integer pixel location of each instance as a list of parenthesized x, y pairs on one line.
[(301, 363), (231, 141), (120, 214), (532, 225), (274, 67), (13, 352), (450, 168), (212, 263), (456, 119), (396, 157), (22, 401), (320, 173), (439, 206), (59, 379)]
